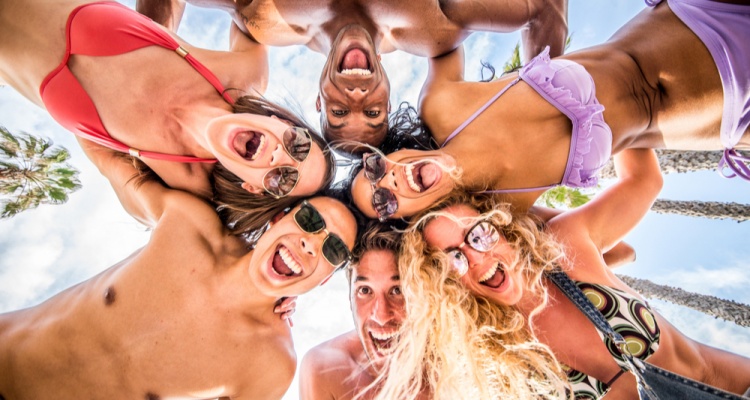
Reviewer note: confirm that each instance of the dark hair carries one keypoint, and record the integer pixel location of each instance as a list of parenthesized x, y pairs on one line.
[(245, 213)]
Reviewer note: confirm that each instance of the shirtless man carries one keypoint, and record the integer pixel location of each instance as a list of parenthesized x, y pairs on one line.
[(354, 89), (189, 315), (342, 367)]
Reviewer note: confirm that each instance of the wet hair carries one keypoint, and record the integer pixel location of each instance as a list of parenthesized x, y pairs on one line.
[(245, 213), (454, 344)]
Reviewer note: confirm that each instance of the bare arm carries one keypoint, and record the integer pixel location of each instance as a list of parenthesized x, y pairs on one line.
[(145, 202), (164, 12), (448, 67), (548, 26), (542, 22), (613, 213), (620, 254)]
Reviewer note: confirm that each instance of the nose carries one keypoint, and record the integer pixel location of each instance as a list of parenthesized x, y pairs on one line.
[(309, 245), (474, 257), (280, 157), (356, 93), (389, 181), (382, 311)]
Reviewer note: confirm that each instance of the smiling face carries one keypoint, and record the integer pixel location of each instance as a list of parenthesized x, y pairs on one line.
[(377, 303), (288, 261), (415, 178), (250, 145), (490, 274), (354, 90)]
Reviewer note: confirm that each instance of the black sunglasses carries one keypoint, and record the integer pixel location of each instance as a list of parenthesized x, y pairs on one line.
[(482, 237), (334, 249), (280, 181), (383, 200)]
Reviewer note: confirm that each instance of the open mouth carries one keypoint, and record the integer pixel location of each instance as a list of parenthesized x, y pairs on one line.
[(422, 176), (284, 263), (355, 63), (249, 144), (494, 277), (384, 342)]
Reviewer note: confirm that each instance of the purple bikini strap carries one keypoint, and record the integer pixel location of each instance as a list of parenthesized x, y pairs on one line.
[(736, 162), (519, 190), (479, 111)]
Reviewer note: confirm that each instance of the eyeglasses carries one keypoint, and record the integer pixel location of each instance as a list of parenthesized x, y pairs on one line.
[(482, 237), (383, 200), (334, 249), (280, 181)]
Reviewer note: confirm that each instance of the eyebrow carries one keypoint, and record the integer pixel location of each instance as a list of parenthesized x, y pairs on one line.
[(361, 278), (369, 124)]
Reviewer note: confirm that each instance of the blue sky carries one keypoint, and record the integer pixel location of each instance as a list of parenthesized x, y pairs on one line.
[(49, 249)]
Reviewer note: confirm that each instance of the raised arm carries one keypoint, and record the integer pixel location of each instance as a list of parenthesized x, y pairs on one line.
[(542, 22), (442, 69), (164, 12), (613, 213), (548, 26), (145, 200)]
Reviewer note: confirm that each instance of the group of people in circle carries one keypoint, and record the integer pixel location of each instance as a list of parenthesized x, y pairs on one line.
[(447, 258)]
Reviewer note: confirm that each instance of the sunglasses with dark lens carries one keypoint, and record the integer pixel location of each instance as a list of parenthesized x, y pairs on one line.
[(482, 237), (383, 200), (280, 181), (334, 249)]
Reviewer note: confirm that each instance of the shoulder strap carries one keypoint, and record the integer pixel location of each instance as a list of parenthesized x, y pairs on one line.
[(478, 112), (634, 365)]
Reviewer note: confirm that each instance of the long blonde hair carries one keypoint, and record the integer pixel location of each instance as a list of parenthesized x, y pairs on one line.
[(454, 344)]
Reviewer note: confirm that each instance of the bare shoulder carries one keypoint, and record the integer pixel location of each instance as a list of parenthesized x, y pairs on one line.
[(334, 351), (183, 210), (269, 365), (327, 369)]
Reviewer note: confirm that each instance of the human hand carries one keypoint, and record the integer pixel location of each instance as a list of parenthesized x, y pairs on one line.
[(286, 307)]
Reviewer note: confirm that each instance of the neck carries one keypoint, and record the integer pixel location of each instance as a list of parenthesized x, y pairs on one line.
[(197, 113), (236, 286), (353, 15)]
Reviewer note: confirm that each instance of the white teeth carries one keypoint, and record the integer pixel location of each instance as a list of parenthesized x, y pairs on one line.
[(286, 256), (487, 275), (261, 144), (410, 178), (356, 71), (383, 335)]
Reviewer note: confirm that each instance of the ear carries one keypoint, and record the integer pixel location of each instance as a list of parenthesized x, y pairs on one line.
[(252, 189), (389, 107), (317, 103)]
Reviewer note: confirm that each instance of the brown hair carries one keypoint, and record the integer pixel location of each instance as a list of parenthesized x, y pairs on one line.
[(376, 236), (245, 213)]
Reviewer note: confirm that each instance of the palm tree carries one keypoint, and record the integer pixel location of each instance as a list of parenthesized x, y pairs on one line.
[(32, 172), (705, 209), (725, 309), (674, 161)]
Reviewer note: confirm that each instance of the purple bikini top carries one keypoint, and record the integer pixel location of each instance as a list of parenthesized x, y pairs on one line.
[(568, 87)]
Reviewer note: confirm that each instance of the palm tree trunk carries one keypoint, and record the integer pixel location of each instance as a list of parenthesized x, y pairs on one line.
[(674, 161), (725, 309), (705, 209)]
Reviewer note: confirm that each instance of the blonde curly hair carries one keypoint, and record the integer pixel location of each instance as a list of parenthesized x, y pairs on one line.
[(454, 344)]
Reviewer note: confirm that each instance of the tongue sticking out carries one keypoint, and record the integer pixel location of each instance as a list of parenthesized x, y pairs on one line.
[(429, 173), (280, 267), (496, 279), (355, 59)]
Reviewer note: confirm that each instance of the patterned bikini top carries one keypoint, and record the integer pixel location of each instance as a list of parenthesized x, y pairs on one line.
[(630, 317)]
